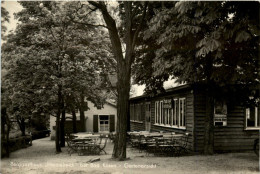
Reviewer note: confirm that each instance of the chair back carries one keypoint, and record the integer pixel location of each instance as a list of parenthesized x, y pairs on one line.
[(103, 145), (185, 140)]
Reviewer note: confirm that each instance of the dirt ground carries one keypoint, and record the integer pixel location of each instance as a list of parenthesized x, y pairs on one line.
[(41, 158)]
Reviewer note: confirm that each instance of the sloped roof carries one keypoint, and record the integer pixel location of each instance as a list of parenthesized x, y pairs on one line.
[(166, 91)]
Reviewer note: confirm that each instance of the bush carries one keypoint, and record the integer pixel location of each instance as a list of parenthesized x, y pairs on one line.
[(15, 144), (40, 134), (15, 134)]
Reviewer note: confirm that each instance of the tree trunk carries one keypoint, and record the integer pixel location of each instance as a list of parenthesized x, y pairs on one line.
[(5, 122), (123, 68), (74, 119), (123, 88), (7, 137), (20, 121), (57, 137), (62, 126), (209, 124), (23, 126), (82, 114)]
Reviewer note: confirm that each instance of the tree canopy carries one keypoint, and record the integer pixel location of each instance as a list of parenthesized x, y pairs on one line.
[(215, 40), (48, 54)]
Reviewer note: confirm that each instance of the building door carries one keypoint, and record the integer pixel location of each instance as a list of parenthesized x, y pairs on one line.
[(148, 116), (103, 123)]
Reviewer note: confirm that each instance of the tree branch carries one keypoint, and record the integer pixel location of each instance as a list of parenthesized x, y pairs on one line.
[(134, 11), (113, 32), (140, 25), (92, 25), (85, 23)]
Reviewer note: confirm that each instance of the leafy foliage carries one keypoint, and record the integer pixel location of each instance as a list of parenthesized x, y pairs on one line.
[(49, 50), (207, 40), (4, 18)]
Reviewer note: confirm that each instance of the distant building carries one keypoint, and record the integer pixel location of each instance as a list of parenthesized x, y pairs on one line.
[(96, 119)]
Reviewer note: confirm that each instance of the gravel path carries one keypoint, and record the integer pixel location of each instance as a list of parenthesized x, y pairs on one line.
[(41, 158)]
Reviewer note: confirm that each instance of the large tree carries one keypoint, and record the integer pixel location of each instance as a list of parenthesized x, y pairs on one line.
[(50, 59), (134, 16), (215, 43)]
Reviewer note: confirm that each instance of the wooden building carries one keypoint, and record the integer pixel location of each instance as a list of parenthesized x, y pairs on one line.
[(183, 110)]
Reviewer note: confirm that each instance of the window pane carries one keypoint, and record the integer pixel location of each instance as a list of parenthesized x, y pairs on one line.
[(156, 112), (159, 113), (165, 116), (160, 118), (181, 112), (250, 115), (175, 112), (168, 119), (184, 112), (171, 116), (258, 116)]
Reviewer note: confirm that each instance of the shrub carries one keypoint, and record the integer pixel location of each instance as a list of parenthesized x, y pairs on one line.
[(15, 144), (40, 134)]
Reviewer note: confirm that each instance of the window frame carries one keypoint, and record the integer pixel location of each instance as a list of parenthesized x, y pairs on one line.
[(106, 125), (183, 112), (136, 117), (156, 112), (161, 112), (172, 119), (256, 127)]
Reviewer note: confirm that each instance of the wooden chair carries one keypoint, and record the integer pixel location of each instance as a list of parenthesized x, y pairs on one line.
[(181, 145), (72, 147), (100, 147), (135, 140), (87, 148)]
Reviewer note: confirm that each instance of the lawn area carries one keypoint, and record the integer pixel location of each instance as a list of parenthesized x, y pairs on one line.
[(41, 158)]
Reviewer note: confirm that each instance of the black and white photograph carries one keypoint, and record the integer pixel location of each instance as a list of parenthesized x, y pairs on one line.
[(130, 87)]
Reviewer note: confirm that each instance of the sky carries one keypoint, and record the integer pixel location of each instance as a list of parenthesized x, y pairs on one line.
[(14, 7), (11, 7)]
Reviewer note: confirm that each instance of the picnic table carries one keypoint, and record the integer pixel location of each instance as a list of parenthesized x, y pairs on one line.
[(159, 143), (85, 143)]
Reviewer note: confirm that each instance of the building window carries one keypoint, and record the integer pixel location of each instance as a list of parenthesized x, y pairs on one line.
[(175, 111), (132, 111), (252, 117), (161, 112), (220, 112), (103, 123), (136, 111), (181, 112), (156, 112), (171, 113)]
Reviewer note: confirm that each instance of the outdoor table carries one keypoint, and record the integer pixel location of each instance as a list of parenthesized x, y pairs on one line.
[(82, 139), (86, 143), (153, 135), (133, 133), (169, 137), (89, 136), (165, 144)]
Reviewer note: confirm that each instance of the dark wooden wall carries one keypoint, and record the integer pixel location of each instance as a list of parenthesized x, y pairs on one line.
[(135, 126), (199, 120), (232, 137)]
